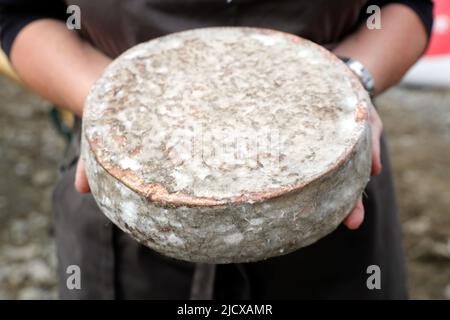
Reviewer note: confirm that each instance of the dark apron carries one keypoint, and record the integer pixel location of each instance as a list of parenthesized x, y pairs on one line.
[(115, 266)]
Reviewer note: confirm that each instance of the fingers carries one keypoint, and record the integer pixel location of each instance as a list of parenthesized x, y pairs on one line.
[(356, 217), (81, 181), (377, 128)]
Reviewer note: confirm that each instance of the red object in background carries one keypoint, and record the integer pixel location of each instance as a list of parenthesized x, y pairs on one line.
[(434, 68), (440, 40)]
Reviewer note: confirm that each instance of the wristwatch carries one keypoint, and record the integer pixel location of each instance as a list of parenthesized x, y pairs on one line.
[(362, 73)]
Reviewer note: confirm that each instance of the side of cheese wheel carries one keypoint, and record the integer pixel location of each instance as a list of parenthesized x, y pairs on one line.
[(227, 144)]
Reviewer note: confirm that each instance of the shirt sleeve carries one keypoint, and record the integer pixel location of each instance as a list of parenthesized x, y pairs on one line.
[(423, 8), (16, 14)]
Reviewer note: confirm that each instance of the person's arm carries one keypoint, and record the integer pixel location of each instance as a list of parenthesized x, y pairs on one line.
[(54, 62), (387, 53), (58, 65)]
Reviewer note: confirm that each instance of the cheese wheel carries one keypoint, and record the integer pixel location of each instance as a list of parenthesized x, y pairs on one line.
[(227, 144)]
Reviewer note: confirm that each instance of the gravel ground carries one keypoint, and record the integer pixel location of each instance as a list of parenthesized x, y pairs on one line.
[(417, 122), (30, 151)]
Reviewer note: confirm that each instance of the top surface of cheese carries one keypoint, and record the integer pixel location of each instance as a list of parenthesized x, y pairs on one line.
[(224, 112)]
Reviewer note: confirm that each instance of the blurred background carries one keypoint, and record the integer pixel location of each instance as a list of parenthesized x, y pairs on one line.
[(417, 122), (416, 116)]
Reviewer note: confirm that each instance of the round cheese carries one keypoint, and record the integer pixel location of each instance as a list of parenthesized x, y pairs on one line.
[(227, 144)]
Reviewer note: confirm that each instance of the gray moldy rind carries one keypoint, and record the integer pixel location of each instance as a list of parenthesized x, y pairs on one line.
[(221, 212)]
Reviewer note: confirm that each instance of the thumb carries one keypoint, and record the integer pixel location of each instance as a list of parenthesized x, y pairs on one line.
[(81, 181), (356, 217), (377, 129)]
